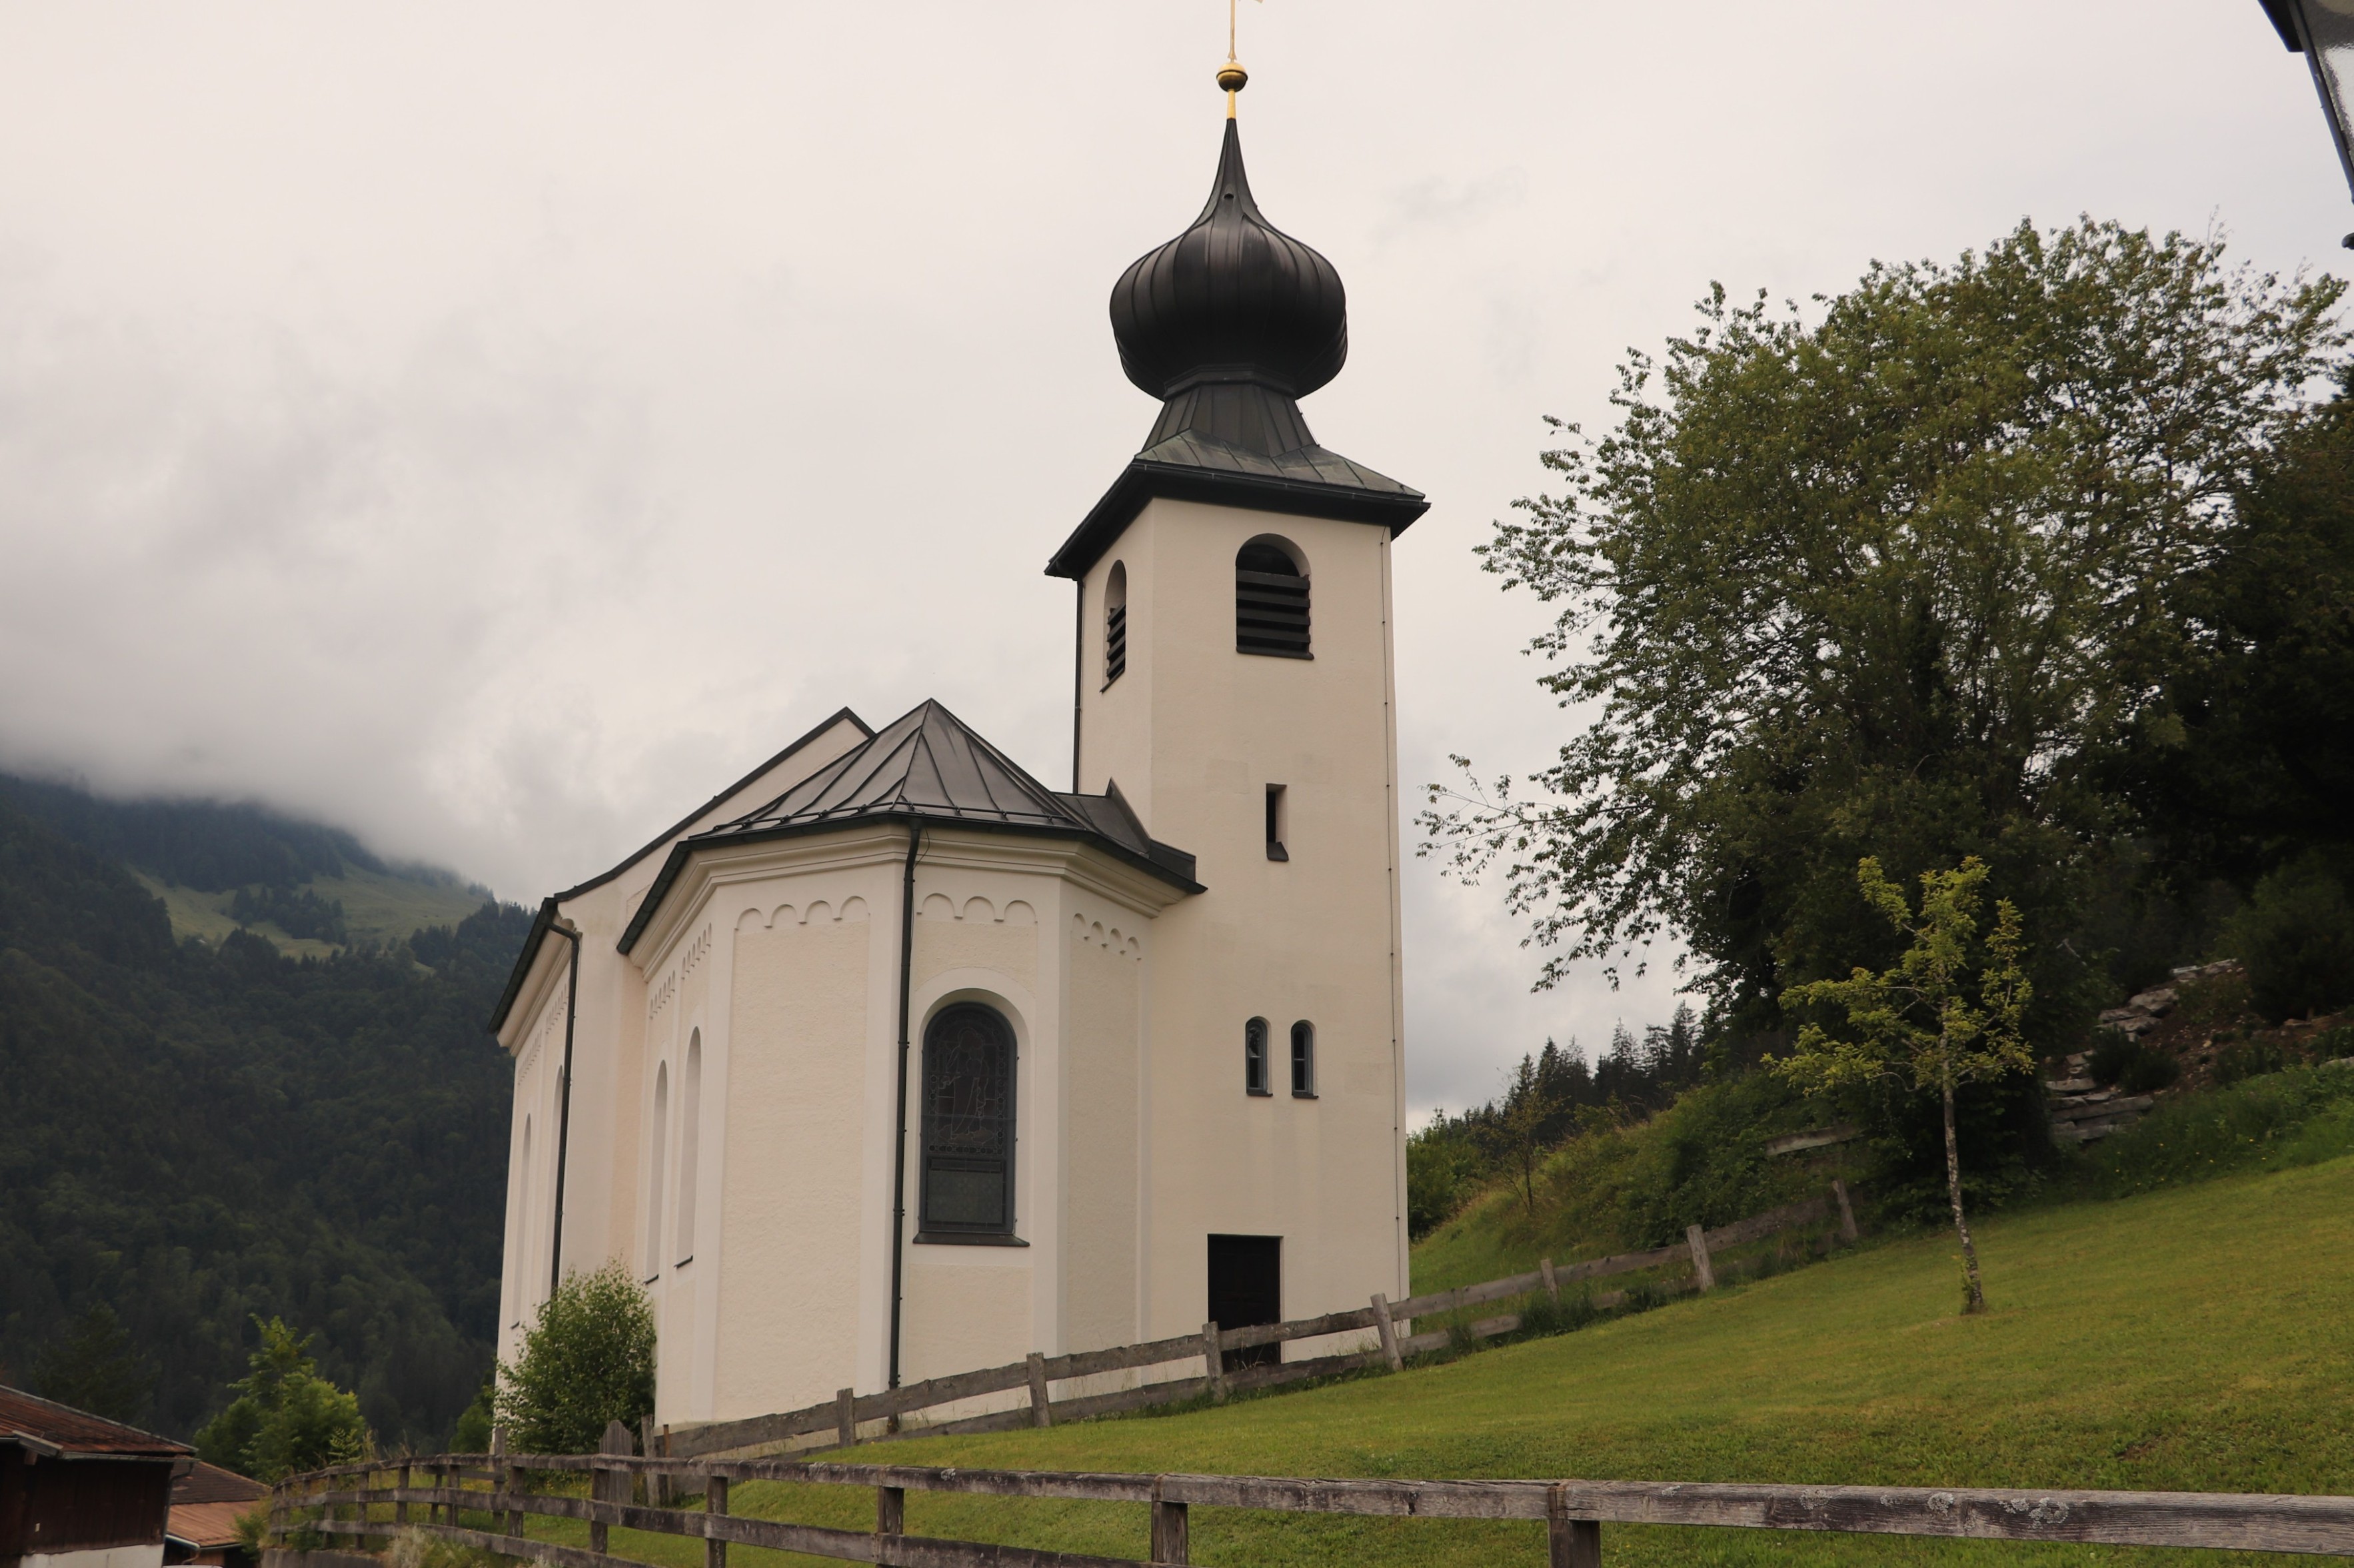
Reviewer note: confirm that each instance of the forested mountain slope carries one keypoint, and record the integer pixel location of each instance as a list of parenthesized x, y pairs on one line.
[(193, 1134)]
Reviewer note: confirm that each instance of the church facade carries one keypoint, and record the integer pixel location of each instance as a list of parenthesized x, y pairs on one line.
[(892, 1061)]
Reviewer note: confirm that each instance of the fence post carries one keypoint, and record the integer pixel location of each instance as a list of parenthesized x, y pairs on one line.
[(1699, 1240), (1040, 1415), (1170, 1535), (657, 1494), (1215, 1361), (890, 1510), (1570, 1542), (1552, 1286), (1847, 1211), (845, 1418), (715, 1505), (400, 1504), (1389, 1332)]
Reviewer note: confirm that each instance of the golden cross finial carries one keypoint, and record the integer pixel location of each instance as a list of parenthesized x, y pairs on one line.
[(1231, 76)]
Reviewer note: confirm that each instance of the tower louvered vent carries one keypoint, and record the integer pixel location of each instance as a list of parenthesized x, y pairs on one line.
[(1270, 603)]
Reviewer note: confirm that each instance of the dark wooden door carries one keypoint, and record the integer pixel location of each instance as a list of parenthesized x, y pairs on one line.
[(1247, 1288)]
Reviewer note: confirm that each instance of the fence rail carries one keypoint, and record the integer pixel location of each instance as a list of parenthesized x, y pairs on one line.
[(841, 1417), (348, 1503)]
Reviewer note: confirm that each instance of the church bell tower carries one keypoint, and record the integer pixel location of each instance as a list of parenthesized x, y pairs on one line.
[(1234, 676)]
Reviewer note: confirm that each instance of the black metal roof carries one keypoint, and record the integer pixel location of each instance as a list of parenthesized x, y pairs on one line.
[(1233, 297), (1230, 323), (2277, 11), (929, 766)]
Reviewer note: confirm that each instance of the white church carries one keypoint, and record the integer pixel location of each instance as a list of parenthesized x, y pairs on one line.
[(892, 1061)]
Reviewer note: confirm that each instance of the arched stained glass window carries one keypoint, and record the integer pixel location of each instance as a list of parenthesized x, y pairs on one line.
[(1303, 1059), (968, 1180)]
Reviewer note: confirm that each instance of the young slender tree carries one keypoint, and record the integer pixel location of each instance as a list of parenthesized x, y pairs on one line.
[(1946, 1014)]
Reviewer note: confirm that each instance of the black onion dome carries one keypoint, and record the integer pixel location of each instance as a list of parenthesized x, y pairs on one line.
[(1233, 297)]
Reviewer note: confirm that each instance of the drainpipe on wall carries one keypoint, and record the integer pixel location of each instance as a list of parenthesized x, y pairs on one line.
[(899, 1153), (564, 1105)]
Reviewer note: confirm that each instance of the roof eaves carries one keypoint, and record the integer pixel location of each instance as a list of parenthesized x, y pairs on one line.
[(540, 926), (1178, 875), (1144, 480)]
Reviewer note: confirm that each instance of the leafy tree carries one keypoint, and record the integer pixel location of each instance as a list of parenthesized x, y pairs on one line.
[(588, 1359), (1894, 584), (286, 1417), (2249, 762), (1917, 1023), (1515, 1139), (96, 1368), (2297, 937)]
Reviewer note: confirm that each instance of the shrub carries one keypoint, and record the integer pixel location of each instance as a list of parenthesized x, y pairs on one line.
[(2130, 1065), (2296, 937), (2294, 1117), (286, 1417), (587, 1359)]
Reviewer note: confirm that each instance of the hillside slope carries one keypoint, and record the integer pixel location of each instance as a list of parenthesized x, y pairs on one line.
[(193, 1135), (2196, 1338)]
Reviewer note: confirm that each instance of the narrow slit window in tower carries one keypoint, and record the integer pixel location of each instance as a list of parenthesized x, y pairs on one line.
[(1303, 1060), (1276, 801)]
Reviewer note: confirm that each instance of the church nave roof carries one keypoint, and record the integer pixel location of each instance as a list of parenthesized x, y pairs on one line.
[(930, 765)]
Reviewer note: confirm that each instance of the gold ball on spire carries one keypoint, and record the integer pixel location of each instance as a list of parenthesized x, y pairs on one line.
[(1232, 77)]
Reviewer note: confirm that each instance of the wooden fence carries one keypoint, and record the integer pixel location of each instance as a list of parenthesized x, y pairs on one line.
[(361, 1505), (850, 1417)]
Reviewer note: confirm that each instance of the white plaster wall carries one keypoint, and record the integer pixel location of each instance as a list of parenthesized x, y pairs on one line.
[(612, 1075), (1194, 733)]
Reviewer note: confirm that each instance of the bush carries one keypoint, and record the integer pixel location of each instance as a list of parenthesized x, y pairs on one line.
[(2296, 937), (2294, 1117), (2128, 1064), (286, 1418), (587, 1359)]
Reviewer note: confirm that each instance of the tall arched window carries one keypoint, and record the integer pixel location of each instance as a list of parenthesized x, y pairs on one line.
[(659, 1148), (1254, 1057), (1270, 600), (1303, 1059), (1116, 623), (523, 1225), (967, 1179), (690, 1108)]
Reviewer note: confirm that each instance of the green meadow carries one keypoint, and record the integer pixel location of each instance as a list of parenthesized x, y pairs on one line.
[(2198, 1338)]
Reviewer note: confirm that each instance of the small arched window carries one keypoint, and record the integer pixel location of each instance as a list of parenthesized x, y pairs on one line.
[(1270, 600), (968, 1178), (1254, 1068), (1116, 623), (658, 1148), (1303, 1060)]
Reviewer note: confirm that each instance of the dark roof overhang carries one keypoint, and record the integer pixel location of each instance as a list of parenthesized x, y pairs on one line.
[(540, 926), (684, 852), (2283, 24), (1144, 480)]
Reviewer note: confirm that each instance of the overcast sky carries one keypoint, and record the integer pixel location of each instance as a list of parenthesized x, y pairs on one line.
[(494, 427)]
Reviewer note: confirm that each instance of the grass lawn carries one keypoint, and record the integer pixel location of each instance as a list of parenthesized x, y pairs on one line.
[(2200, 1339)]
